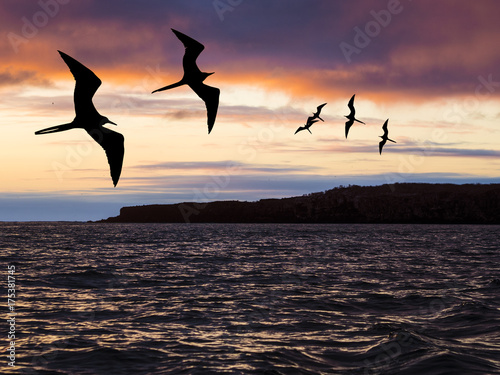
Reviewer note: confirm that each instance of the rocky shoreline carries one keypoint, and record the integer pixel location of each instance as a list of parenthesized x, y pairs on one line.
[(390, 203)]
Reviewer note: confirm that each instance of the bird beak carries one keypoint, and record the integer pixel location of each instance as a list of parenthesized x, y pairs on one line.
[(111, 122)]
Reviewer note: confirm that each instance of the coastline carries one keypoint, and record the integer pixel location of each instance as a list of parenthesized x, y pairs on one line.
[(405, 203)]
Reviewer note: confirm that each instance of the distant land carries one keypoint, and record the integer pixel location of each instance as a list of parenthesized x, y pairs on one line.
[(390, 203)]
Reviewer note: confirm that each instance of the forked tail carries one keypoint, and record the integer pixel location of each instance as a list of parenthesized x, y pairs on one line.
[(55, 129), (180, 83)]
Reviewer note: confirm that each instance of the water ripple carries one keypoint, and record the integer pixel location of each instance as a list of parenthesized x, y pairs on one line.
[(254, 299)]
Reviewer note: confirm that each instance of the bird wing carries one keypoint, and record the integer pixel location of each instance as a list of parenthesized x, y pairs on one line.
[(318, 109), (210, 96), (351, 105), (308, 124), (300, 129), (113, 144), (310, 120), (348, 125), (87, 84), (380, 145), (193, 50), (384, 128)]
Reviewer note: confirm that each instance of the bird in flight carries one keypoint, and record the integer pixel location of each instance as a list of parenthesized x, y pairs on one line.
[(306, 126), (384, 137), (351, 117), (194, 78), (89, 119), (311, 119), (317, 113)]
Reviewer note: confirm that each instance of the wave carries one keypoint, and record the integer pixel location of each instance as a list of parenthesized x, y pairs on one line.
[(409, 352)]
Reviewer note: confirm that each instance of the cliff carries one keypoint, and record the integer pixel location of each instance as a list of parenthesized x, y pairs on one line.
[(394, 203)]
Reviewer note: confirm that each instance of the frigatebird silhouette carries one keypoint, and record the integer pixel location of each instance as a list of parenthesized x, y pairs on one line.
[(306, 126), (351, 117), (194, 78), (317, 113), (89, 119), (384, 137), (311, 119)]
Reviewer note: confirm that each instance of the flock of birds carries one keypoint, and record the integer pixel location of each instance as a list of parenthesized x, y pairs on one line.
[(88, 118), (350, 121)]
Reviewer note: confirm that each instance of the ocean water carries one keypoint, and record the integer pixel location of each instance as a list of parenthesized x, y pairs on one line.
[(252, 299)]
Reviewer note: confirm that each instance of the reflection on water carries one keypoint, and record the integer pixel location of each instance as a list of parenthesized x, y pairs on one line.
[(157, 299)]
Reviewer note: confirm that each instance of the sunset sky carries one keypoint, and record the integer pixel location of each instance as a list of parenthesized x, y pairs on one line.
[(431, 67)]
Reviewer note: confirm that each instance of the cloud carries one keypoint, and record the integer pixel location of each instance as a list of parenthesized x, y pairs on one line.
[(458, 152), (54, 206), (225, 167), (274, 63), (403, 146), (292, 47), (10, 77)]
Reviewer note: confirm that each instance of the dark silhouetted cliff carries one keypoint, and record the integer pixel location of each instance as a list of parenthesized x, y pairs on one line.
[(395, 203)]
